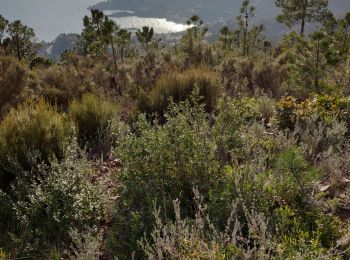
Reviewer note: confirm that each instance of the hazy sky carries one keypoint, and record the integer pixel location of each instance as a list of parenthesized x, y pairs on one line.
[(47, 17)]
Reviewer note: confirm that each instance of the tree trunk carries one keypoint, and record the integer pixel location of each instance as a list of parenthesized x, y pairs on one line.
[(122, 54), (245, 33), (18, 49), (114, 54), (303, 18), (225, 41), (317, 65), (345, 43)]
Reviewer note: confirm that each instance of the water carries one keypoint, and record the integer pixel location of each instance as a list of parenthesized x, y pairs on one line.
[(49, 18), (159, 25)]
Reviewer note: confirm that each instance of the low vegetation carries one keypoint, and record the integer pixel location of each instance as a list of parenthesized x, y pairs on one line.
[(237, 148)]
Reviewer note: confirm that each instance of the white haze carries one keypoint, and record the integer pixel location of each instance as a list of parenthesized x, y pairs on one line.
[(49, 18)]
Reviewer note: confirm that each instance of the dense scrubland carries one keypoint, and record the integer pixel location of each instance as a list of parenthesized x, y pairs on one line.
[(128, 149)]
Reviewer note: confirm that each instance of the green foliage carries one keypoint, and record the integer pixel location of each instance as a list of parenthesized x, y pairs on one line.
[(32, 133), (40, 62), (95, 119), (232, 116), (294, 12), (62, 199), (312, 233), (178, 86), (20, 41), (165, 162), (292, 176), (237, 121), (324, 107), (145, 36)]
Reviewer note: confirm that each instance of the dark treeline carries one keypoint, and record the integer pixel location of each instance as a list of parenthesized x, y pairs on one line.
[(129, 148)]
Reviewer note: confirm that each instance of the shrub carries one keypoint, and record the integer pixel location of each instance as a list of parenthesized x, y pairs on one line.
[(179, 86), (325, 107), (266, 107), (32, 133), (12, 82), (252, 237), (232, 115), (164, 162), (293, 176), (95, 119), (59, 204), (63, 83), (269, 77), (40, 62)]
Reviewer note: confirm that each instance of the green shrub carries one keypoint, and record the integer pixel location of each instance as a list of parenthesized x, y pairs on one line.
[(309, 233), (40, 62), (32, 133), (95, 119), (232, 116), (326, 108), (61, 202), (179, 86), (293, 177), (164, 162)]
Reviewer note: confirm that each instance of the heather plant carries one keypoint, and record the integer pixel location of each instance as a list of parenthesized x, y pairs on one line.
[(95, 119), (247, 238), (62, 83), (179, 86), (197, 237), (12, 83), (30, 134)]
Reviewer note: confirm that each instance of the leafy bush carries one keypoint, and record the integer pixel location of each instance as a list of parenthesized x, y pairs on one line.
[(164, 162), (179, 86), (32, 133), (95, 119), (232, 115), (325, 107), (63, 200)]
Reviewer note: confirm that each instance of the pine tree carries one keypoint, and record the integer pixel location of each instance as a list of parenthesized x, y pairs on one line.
[(196, 26), (246, 14), (145, 36), (20, 41), (123, 41), (91, 40), (247, 36), (225, 31), (302, 11), (109, 31)]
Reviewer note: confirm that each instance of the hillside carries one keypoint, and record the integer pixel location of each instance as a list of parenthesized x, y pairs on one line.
[(214, 13), (131, 147), (210, 10)]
